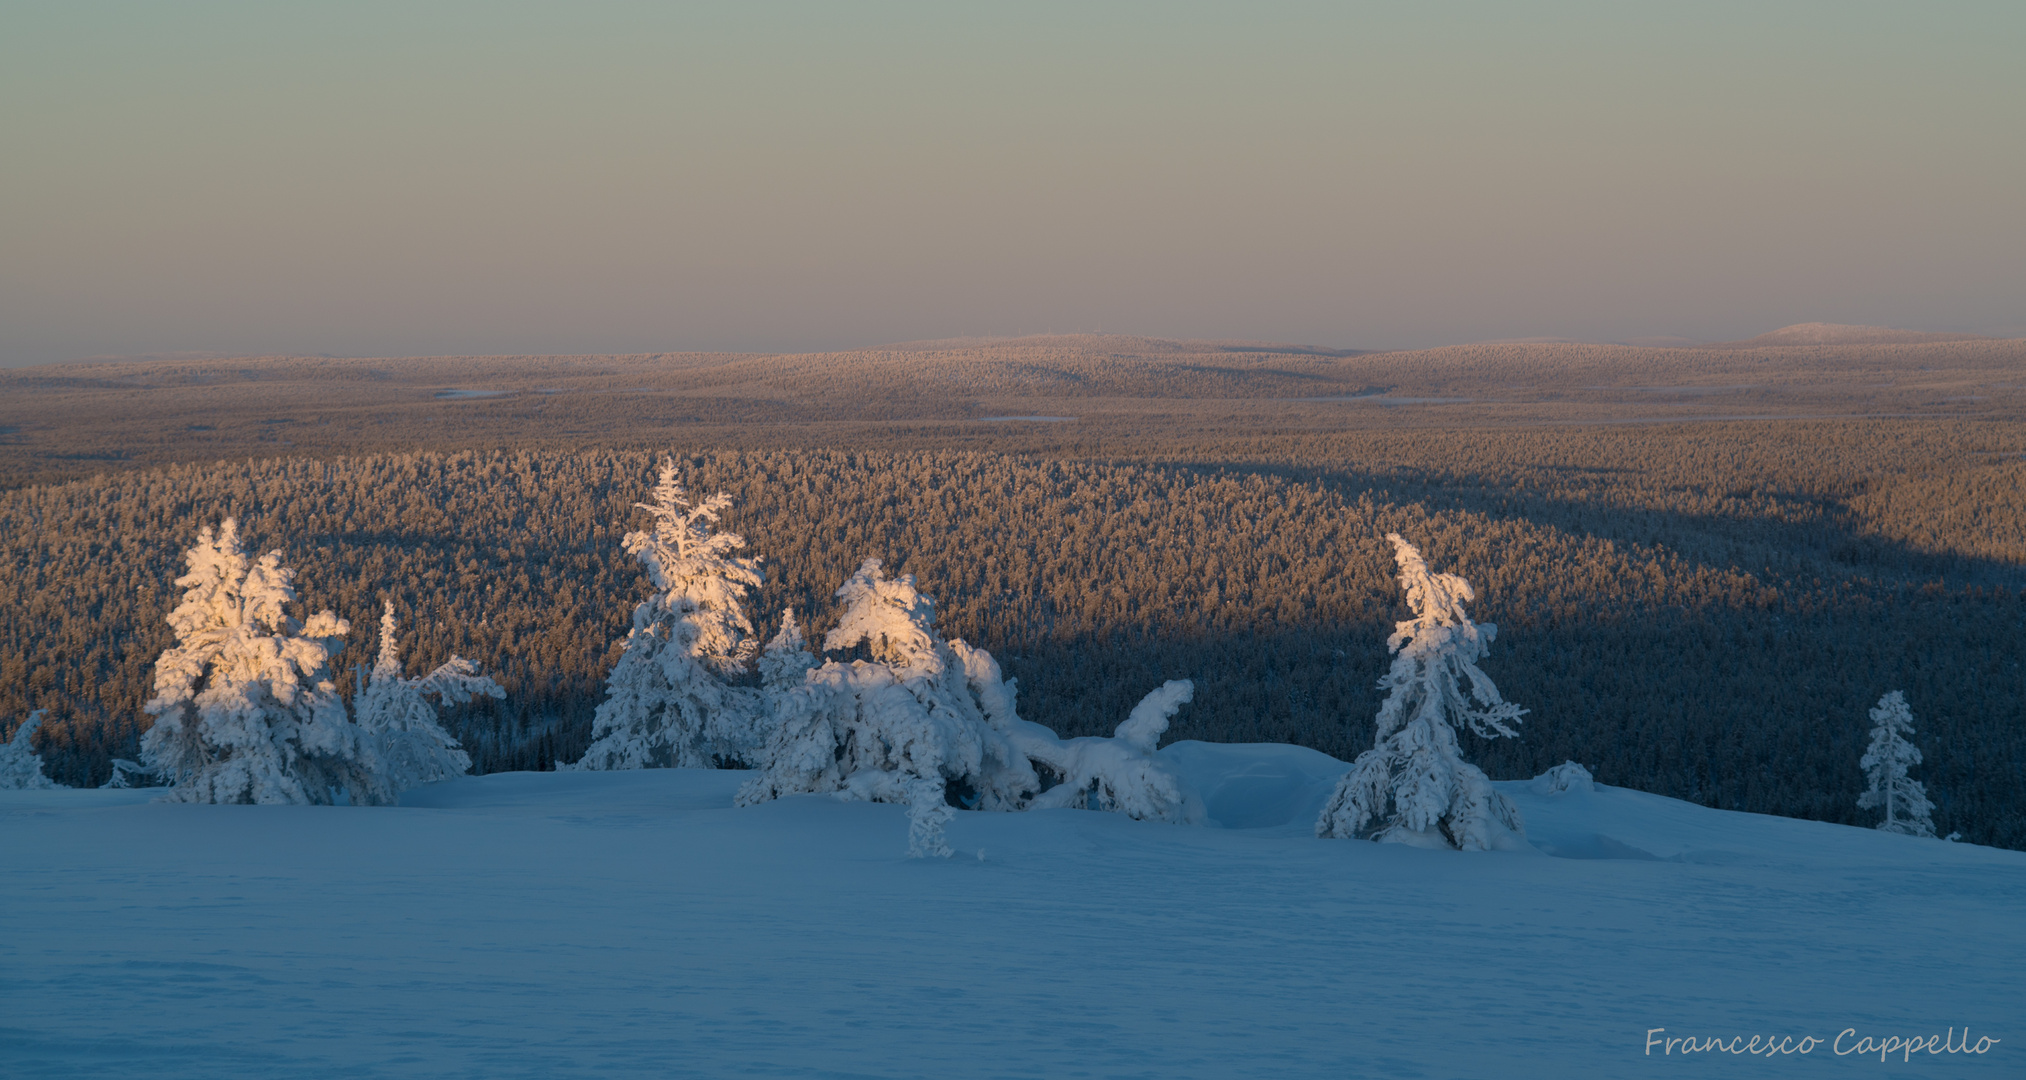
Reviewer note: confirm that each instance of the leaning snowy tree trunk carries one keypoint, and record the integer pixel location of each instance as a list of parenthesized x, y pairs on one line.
[(1413, 786)]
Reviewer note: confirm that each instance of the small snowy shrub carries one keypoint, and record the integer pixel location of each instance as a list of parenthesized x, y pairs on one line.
[(1568, 776), (669, 700), (933, 724), (129, 774), (413, 747), (1120, 774), (244, 707), (20, 765), (928, 810), (1885, 764), (1413, 786)]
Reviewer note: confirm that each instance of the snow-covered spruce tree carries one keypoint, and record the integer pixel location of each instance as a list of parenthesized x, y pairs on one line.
[(1885, 764), (395, 711), (907, 726), (669, 701), (245, 710), (1413, 786), (801, 750), (20, 765), (786, 661)]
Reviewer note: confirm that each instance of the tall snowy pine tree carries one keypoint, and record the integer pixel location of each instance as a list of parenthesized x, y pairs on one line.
[(413, 747), (668, 699), (1885, 764), (245, 710), (1413, 786)]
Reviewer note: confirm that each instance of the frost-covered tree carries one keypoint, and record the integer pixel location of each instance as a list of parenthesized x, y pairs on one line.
[(801, 750), (20, 765), (1413, 786), (669, 700), (786, 661), (244, 707), (934, 724), (395, 711), (1885, 763), (918, 716), (906, 726)]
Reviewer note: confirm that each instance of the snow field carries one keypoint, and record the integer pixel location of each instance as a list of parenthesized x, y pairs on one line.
[(637, 924)]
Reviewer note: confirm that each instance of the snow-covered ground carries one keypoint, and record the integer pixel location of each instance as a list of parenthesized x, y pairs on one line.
[(636, 924)]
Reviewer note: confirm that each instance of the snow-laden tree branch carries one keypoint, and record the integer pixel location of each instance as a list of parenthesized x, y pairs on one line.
[(1885, 763), (668, 698), (1413, 786)]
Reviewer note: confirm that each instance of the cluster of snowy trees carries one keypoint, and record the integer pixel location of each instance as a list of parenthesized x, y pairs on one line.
[(246, 710), (934, 723), (918, 719), (1264, 578)]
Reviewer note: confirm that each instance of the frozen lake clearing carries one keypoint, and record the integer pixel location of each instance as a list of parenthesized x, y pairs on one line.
[(636, 924)]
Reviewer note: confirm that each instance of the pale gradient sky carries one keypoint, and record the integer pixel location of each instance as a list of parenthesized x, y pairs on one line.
[(423, 178)]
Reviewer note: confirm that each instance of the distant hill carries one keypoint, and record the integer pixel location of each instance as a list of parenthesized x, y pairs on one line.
[(68, 420), (1816, 333)]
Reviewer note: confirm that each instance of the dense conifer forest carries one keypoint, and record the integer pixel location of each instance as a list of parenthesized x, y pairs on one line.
[(1700, 610)]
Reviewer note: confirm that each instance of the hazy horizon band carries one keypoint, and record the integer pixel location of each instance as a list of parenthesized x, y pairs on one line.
[(465, 179)]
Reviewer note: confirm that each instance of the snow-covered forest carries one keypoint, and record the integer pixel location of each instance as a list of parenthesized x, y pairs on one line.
[(1661, 666)]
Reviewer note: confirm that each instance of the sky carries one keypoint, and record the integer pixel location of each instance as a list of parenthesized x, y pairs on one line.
[(390, 179)]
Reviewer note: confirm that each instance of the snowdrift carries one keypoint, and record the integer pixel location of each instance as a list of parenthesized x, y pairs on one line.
[(583, 924)]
